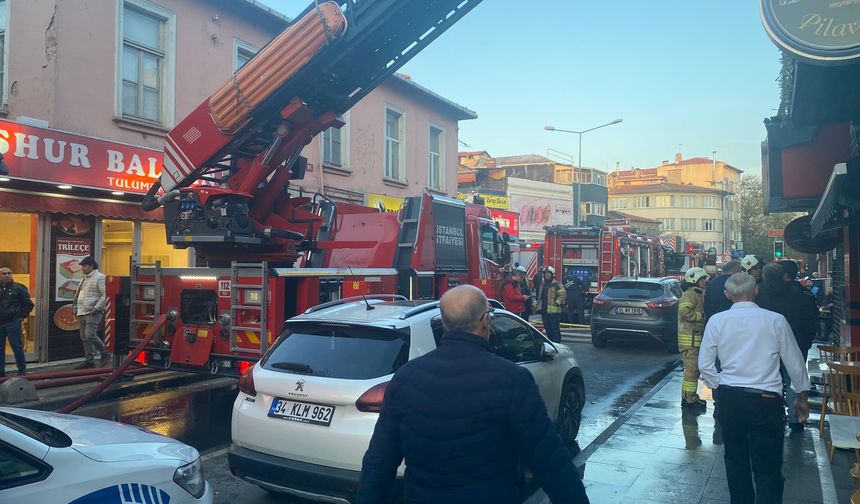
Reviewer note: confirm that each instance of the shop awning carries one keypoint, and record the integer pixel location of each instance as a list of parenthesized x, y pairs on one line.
[(26, 201), (842, 194)]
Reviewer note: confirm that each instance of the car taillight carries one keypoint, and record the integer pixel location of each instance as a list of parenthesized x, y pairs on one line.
[(599, 301), (244, 366), (246, 382), (371, 401), (654, 305), (142, 358)]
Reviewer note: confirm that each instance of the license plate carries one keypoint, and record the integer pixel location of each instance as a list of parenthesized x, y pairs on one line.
[(297, 411), (628, 311)]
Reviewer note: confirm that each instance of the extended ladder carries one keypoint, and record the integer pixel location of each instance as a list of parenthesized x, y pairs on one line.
[(607, 251), (241, 299), (145, 294)]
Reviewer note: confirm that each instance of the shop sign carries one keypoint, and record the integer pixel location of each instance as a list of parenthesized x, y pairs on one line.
[(490, 200), (46, 155), (822, 31), (389, 203), (537, 213), (508, 222)]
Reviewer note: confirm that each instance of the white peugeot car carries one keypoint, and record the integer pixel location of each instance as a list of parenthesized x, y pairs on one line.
[(305, 413), (52, 458)]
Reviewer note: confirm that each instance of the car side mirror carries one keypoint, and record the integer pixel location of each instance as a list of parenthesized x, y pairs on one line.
[(548, 351)]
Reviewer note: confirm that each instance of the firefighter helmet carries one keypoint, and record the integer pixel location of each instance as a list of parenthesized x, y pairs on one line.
[(693, 275), (749, 262), (550, 269), (520, 269)]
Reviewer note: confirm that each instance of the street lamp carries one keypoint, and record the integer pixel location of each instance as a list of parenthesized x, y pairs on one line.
[(577, 199)]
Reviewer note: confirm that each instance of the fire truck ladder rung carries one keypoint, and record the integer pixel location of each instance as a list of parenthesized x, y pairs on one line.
[(263, 307), (253, 329), (246, 286), (142, 321), (143, 284), (248, 307), (150, 303), (247, 265)]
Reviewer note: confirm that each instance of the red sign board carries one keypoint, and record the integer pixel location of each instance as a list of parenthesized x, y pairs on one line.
[(775, 232), (509, 222), (47, 155)]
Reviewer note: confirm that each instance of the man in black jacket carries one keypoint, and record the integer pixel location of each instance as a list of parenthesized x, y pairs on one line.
[(715, 295), (15, 305), (464, 419), (798, 307)]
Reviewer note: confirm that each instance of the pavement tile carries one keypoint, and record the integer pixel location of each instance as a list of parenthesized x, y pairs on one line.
[(713, 501), (686, 457), (717, 489), (671, 490), (604, 494), (692, 474), (703, 442), (637, 500), (649, 420), (620, 457), (611, 474), (627, 438), (719, 470)]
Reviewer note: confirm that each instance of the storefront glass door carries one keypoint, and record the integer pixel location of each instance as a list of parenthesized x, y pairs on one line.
[(117, 246), (18, 251)]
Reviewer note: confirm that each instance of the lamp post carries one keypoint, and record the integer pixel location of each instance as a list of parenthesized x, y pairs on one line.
[(578, 191)]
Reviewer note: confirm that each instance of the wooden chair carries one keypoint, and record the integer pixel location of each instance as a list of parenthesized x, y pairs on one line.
[(830, 354), (845, 398)]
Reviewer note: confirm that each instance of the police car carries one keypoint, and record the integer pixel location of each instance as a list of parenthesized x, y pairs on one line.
[(49, 457)]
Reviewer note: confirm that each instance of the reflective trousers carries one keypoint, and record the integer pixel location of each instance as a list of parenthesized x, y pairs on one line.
[(691, 374)]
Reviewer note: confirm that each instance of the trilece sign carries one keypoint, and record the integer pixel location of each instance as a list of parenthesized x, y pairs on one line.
[(817, 30), (46, 155)]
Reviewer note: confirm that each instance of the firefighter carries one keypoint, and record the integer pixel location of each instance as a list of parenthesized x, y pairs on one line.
[(552, 302), (752, 265), (525, 290), (512, 297), (575, 288), (691, 327)]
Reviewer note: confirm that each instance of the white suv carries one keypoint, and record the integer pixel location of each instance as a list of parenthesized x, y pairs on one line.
[(305, 413)]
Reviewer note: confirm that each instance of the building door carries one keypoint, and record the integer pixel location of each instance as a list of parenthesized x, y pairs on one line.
[(19, 252)]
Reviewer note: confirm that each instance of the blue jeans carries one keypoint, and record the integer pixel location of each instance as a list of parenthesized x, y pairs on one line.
[(790, 395), (12, 330)]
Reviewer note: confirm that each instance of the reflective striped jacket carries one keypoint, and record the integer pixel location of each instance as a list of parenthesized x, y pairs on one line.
[(691, 318)]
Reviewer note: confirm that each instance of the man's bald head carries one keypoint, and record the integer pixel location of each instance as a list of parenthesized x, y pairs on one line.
[(464, 308)]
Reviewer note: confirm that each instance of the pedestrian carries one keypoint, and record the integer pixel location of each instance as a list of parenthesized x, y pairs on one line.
[(750, 342), (575, 289), (691, 327), (464, 420), (752, 265), (512, 297), (552, 299), (89, 306), (779, 294), (715, 295), (15, 306), (526, 291)]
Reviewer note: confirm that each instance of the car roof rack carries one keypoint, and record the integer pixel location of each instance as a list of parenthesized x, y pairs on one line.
[(418, 310), (367, 297)]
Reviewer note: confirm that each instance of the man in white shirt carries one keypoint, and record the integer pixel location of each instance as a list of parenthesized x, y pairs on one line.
[(750, 342)]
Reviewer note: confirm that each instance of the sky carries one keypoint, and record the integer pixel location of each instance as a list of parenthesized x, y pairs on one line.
[(699, 75)]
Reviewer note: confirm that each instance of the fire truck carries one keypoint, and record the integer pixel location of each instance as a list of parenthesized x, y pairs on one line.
[(270, 254), (598, 254)]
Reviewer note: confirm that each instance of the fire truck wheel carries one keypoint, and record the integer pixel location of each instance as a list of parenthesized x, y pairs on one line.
[(597, 341)]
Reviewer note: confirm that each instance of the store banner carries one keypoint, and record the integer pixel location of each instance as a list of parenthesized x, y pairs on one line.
[(389, 203), (46, 155), (508, 222), (537, 212), (490, 200)]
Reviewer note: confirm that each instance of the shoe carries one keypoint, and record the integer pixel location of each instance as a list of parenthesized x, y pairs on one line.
[(698, 403), (85, 365), (796, 427), (22, 372)]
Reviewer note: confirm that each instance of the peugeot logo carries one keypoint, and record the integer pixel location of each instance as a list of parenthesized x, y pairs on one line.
[(300, 386)]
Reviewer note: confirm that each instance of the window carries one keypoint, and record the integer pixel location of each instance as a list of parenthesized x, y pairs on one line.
[(642, 202), (435, 156), (331, 147), (688, 201), (18, 468), (242, 53), (592, 209), (146, 59), (665, 201), (688, 224), (709, 202), (584, 177), (667, 224), (618, 203), (709, 224), (3, 7), (394, 150), (491, 246), (513, 340)]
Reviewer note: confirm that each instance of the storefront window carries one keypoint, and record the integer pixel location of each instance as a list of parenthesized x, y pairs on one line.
[(154, 247), (18, 252), (117, 243)]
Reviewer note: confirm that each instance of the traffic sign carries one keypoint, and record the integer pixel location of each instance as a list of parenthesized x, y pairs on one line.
[(775, 233)]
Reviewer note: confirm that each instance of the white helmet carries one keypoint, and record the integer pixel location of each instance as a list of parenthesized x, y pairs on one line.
[(550, 269), (693, 275), (749, 262), (521, 269)]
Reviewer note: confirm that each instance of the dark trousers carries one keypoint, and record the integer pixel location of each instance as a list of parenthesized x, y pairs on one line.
[(752, 429), (576, 309), (551, 326), (12, 330)]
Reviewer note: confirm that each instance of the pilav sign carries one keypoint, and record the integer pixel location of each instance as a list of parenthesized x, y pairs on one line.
[(821, 31)]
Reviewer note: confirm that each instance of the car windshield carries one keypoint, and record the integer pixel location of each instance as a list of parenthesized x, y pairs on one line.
[(633, 290), (339, 351), (45, 433)]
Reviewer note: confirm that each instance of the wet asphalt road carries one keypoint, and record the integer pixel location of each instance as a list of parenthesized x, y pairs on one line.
[(616, 377)]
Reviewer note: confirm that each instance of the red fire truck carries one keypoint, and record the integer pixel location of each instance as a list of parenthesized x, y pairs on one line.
[(270, 254), (598, 254)]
